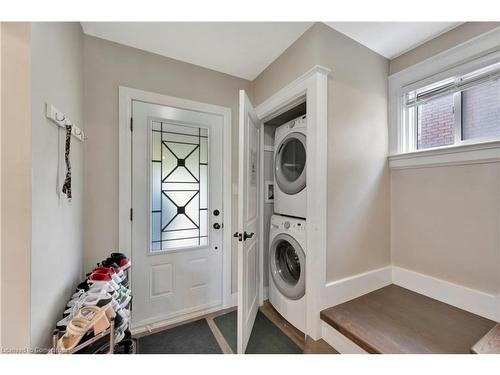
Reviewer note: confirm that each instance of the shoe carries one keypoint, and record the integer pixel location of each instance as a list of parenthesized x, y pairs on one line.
[(120, 259), (108, 288), (119, 335), (88, 323), (103, 300), (94, 289), (117, 279), (118, 273), (124, 300), (99, 298), (115, 270), (124, 290), (125, 283), (100, 278)]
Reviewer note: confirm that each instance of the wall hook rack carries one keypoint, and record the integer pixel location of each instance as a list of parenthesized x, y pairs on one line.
[(60, 119)]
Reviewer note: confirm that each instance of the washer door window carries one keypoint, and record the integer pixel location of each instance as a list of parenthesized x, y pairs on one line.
[(287, 261), (290, 163)]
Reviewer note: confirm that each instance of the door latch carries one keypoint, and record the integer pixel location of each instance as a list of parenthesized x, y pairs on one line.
[(238, 236)]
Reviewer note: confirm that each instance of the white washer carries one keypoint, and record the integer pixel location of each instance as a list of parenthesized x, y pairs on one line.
[(290, 168), (287, 268)]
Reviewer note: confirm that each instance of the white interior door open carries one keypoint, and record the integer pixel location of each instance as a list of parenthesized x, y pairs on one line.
[(177, 177), (248, 245)]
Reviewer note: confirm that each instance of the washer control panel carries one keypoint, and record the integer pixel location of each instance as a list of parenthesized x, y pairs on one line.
[(280, 222)]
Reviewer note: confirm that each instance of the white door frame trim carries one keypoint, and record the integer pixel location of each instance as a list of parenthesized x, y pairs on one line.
[(126, 95), (313, 84)]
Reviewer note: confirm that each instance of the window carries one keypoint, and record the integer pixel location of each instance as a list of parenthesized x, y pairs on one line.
[(455, 111), (436, 123), (481, 111), (179, 186)]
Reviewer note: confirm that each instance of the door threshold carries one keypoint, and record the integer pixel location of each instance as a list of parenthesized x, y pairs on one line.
[(148, 329)]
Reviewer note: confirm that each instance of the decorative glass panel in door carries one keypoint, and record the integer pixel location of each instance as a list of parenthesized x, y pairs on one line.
[(179, 186)]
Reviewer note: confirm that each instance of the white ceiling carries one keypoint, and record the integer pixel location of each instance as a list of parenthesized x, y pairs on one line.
[(391, 39), (245, 49), (242, 49)]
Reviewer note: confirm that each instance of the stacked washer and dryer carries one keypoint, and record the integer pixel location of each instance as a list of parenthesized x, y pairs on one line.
[(287, 232)]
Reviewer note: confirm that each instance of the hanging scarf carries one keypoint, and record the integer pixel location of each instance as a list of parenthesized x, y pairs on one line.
[(66, 189)]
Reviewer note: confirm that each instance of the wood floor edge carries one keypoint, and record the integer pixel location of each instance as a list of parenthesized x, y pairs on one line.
[(354, 338)]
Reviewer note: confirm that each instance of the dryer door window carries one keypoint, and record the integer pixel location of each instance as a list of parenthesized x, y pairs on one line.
[(290, 163), (287, 261)]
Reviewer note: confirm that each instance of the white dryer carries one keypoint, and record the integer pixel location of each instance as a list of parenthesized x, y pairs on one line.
[(290, 168), (287, 267)]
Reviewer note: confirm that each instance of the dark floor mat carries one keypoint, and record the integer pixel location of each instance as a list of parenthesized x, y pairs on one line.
[(191, 338), (227, 325), (266, 337)]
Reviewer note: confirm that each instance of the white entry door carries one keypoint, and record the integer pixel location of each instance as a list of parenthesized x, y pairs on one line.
[(177, 180), (248, 245)]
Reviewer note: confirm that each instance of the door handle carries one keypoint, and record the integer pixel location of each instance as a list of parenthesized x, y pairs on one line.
[(247, 235), (216, 226)]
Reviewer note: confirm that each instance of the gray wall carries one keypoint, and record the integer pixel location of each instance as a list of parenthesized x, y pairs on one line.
[(358, 176), (107, 66), (57, 225)]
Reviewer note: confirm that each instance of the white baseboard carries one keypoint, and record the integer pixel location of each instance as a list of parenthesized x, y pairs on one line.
[(474, 301), (338, 341), (343, 290)]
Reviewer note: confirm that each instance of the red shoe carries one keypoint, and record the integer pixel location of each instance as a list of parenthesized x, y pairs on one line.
[(111, 270), (103, 278)]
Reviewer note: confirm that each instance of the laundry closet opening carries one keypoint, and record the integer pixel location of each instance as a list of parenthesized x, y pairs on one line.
[(284, 211)]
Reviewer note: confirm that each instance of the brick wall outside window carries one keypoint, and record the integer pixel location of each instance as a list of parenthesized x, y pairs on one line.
[(436, 123), (481, 111)]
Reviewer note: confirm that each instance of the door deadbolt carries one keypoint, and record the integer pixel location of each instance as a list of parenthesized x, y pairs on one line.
[(216, 212)]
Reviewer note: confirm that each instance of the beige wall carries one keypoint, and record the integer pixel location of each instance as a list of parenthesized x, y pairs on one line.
[(107, 66), (443, 42), (445, 220), (57, 78), (16, 185), (445, 223), (358, 177), (0, 185)]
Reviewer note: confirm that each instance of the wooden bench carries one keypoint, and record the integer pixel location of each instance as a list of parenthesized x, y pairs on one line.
[(490, 343), (396, 320)]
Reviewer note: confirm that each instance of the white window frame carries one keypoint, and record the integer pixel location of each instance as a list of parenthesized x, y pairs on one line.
[(410, 121), (468, 57)]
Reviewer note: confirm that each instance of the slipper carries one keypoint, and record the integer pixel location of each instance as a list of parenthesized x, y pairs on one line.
[(102, 300), (90, 319)]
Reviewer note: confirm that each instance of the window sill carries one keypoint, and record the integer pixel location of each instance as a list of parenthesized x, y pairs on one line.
[(487, 152)]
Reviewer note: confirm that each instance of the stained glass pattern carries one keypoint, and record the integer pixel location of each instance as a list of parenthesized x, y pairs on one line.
[(179, 186)]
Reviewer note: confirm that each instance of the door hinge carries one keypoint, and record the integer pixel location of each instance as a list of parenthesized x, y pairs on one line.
[(131, 124), (131, 214)]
